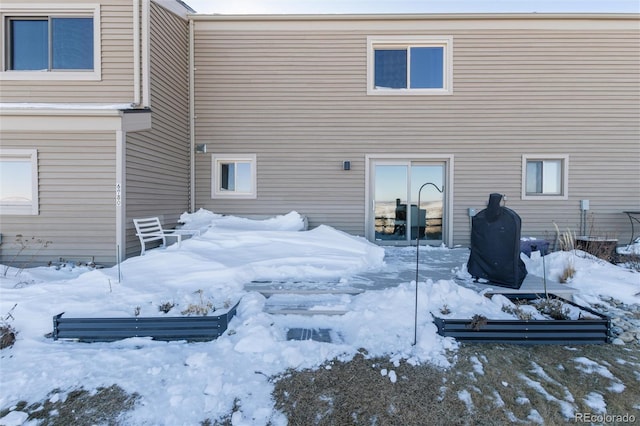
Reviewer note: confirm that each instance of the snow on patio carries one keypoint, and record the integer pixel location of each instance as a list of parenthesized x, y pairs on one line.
[(183, 383)]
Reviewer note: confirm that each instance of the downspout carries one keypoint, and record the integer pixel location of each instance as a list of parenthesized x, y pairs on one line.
[(120, 195), (136, 53), (192, 120), (146, 101), (449, 200)]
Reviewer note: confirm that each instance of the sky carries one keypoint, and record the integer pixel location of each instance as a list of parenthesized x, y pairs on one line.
[(412, 6)]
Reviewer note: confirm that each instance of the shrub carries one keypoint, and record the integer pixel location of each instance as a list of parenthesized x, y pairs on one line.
[(7, 331)]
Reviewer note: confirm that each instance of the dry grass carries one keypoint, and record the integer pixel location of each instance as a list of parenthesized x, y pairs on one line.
[(501, 384), (566, 240), (7, 336), (505, 384), (80, 407), (568, 273)]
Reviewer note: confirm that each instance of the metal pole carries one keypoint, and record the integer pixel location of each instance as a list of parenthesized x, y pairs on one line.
[(118, 260), (415, 322)]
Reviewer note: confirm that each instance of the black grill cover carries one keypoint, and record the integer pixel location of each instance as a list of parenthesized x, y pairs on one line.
[(495, 245)]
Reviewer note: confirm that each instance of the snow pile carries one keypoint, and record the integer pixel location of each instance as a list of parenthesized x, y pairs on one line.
[(593, 277), (631, 248), (185, 383), (203, 220)]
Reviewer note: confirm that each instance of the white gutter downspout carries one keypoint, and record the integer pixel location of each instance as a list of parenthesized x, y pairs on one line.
[(192, 120), (120, 195), (146, 101), (136, 53)]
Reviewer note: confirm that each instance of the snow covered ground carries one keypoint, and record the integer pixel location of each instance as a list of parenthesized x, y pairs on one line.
[(184, 383)]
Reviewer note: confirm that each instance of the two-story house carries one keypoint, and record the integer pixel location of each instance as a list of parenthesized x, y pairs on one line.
[(129, 108), (94, 123)]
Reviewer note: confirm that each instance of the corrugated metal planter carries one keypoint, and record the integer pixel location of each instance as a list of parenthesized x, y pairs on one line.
[(192, 329), (580, 331)]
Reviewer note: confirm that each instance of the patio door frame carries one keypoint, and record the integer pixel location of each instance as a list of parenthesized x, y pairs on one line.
[(369, 216)]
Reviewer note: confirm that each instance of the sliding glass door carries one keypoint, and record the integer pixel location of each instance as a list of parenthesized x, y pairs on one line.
[(408, 201)]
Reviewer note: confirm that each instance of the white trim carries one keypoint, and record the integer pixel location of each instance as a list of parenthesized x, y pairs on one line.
[(34, 207), (448, 159), (564, 195), (120, 195), (192, 121), (446, 42), (136, 52), (215, 173), (136, 121), (40, 9), (80, 120), (146, 55), (419, 22)]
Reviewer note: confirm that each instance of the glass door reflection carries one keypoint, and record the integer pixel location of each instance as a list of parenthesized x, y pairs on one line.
[(390, 202), (397, 217), (430, 214)]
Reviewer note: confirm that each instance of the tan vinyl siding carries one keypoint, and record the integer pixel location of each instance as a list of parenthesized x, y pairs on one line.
[(298, 99), (116, 85), (158, 160), (76, 175)]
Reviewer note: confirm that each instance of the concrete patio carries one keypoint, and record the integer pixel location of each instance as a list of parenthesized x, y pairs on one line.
[(434, 264)]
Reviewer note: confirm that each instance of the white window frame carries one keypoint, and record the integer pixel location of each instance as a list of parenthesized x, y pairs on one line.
[(564, 175), (401, 42), (217, 191), (66, 10), (22, 155)]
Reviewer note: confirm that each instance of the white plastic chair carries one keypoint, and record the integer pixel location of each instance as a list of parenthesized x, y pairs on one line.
[(149, 229)]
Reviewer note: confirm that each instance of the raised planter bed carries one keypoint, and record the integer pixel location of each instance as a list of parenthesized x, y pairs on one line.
[(600, 247), (533, 331), (189, 328)]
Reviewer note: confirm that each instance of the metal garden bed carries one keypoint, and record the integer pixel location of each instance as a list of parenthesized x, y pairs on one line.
[(579, 331), (192, 329)]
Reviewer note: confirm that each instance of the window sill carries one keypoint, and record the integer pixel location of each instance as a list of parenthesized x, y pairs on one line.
[(230, 196), (542, 197), (50, 75), (409, 92), (18, 210)]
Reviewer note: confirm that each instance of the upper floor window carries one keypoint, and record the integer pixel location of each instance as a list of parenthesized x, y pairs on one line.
[(416, 65), (544, 177), (59, 42), (50, 44)]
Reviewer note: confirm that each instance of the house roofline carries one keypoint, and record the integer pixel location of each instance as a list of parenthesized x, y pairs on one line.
[(178, 7), (414, 16), (409, 23)]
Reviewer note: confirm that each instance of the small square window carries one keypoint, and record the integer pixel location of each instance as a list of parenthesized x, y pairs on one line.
[(544, 177), (400, 65), (18, 182), (233, 176)]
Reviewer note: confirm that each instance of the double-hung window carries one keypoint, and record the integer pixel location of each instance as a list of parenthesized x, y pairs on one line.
[(420, 65), (233, 176), (18, 182), (56, 44), (544, 177)]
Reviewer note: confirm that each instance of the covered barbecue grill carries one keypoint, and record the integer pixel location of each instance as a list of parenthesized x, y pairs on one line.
[(495, 245)]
